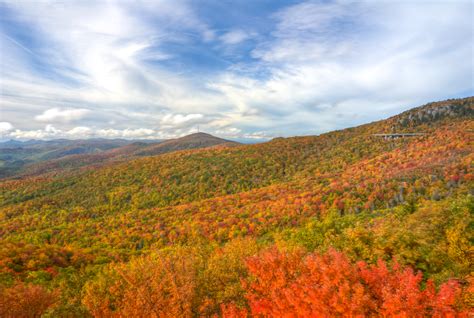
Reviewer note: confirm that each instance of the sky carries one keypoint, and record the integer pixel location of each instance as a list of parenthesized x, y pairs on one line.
[(241, 69)]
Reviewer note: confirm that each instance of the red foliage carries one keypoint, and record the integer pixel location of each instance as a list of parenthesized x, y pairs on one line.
[(286, 284), (398, 293), (232, 311)]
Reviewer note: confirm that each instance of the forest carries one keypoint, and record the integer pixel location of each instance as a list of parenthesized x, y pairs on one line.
[(343, 224)]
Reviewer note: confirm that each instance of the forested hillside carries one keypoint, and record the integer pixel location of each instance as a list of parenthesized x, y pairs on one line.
[(347, 223), (30, 158), (17, 156)]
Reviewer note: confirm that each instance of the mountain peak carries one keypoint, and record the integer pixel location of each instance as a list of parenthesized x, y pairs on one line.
[(200, 134), (192, 141), (436, 111)]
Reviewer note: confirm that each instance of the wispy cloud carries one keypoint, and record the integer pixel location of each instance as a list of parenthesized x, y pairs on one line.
[(62, 115), (361, 60), (148, 69), (235, 36)]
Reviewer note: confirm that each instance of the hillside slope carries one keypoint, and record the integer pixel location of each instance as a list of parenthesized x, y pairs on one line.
[(366, 196), (199, 174), (15, 156), (122, 153), (193, 141)]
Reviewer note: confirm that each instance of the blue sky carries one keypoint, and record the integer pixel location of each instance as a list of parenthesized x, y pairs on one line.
[(237, 69)]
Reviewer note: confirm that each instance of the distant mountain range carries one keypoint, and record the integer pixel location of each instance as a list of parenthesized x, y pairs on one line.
[(39, 156), (193, 141)]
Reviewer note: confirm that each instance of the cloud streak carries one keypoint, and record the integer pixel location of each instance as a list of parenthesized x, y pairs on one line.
[(62, 115), (235, 37), (148, 69)]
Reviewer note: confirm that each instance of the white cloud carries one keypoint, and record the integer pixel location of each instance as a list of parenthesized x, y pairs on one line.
[(5, 127), (138, 133), (81, 132), (179, 119), (48, 132), (50, 129), (235, 37), (62, 115)]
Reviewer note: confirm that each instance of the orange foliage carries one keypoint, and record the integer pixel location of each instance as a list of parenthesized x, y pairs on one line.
[(162, 286), (24, 300)]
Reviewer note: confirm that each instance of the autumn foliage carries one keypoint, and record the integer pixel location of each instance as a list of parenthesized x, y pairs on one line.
[(276, 283), (288, 284), (23, 300), (294, 227), (148, 287)]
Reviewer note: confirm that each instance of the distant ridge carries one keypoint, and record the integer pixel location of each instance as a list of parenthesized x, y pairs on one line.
[(125, 152), (16, 155), (37, 157), (192, 141)]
